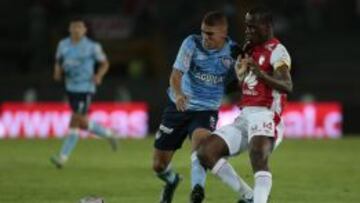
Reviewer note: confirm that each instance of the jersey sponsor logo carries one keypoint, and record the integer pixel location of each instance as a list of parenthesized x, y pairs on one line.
[(209, 78), (251, 80), (72, 62)]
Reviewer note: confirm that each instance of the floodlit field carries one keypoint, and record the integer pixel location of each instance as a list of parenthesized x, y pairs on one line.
[(304, 171)]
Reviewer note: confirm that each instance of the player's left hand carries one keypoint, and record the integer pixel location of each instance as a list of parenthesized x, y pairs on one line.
[(255, 68), (98, 79)]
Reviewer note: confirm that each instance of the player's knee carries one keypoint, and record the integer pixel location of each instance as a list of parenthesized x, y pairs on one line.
[(204, 155), (198, 137), (159, 166), (201, 155), (79, 121), (84, 123), (75, 122)]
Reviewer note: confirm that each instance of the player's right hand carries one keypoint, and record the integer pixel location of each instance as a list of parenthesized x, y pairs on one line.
[(180, 101), (97, 79), (58, 72)]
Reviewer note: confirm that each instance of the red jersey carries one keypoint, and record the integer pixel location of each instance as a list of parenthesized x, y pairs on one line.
[(269, 56)]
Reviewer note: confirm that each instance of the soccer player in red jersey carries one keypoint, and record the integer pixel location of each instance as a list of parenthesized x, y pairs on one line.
[(264, 73)]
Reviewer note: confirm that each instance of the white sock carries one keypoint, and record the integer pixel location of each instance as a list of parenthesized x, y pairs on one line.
[(262, 187), (99, 130), (198, 172), (227, 174), (168, 175)]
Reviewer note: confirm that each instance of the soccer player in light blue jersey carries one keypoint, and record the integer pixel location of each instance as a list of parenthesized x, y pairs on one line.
[(76, 58), (197, 84)]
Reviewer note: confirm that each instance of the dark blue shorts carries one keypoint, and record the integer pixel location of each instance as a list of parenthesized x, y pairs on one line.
[(79, 102), (176, 126)]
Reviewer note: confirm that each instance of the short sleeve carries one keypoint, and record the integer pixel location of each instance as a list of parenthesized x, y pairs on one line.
[(99, 53), (280, 56), (185, 54)]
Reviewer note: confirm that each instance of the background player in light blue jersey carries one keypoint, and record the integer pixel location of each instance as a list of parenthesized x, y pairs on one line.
[(196, 89), (76, 58)]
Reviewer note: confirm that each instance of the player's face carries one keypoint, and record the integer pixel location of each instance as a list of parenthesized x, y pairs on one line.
[(256, 32), (77, 29), (213, 36)]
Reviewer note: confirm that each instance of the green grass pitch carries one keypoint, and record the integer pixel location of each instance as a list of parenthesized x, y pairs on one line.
[(304, 171)]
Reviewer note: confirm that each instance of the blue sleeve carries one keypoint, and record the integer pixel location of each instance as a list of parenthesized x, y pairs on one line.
[(99, 53), (186, 51)]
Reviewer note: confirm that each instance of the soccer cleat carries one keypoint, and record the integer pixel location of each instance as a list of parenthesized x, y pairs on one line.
[(246, 201), (169, 189), (197, 194), (57, 161)]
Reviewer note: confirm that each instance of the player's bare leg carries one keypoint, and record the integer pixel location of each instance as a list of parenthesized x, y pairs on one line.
[(69, 142), (260, 150), (211, 154), (80, 122), (198, 172), (99, 131), (212, 150), (162, 168)]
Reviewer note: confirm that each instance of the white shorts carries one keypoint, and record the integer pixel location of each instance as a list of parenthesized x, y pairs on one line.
[(252, 121)]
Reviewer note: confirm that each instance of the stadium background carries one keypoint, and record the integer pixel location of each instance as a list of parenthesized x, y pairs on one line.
[(141, 38)]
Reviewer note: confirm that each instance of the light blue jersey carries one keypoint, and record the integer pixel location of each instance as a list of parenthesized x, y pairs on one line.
[(204, 73), (78, 61)]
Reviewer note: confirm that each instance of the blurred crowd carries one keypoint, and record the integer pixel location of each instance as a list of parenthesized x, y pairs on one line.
[(141, 38)]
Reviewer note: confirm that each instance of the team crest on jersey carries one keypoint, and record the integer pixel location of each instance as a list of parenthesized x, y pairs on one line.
[(251, 80), (226, 61)]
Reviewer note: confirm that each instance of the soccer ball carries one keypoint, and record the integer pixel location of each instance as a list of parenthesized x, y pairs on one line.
[(92, 199)]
